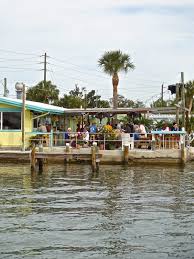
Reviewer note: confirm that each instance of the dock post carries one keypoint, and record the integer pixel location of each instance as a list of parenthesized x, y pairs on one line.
[(40, 164), (40, 160), (153, 144), (95, 165), (126, 154), (51, 138), (183, 150), (67, 150), (33, 158)]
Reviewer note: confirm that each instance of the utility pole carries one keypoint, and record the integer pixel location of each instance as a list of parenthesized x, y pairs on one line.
[(162, 94), (45, 70), (183, 99), (97, 99), (177, 102), (5, 88), (85, 98), (23, 116)]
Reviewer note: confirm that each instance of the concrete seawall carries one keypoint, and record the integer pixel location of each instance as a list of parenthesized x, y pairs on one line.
[(143, 156), (55, 155), (191, 153)]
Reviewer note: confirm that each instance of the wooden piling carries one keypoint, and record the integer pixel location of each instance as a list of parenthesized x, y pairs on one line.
[(93, 152), (153, 145), (183, 149), (33, 158), (40, 160), (183, 154), (126, 154), (67, 150), (40, 164)]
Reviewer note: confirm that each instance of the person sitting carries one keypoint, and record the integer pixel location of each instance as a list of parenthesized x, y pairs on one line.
[(128, 128), (86, 137), (93, 130), (42, 128), (165, 127), (67, 135), (142, 129), (136, 132), (175, 138), (175, 127)]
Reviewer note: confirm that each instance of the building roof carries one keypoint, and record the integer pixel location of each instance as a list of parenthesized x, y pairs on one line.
[(160, 110), (42, 107), (34, 106)]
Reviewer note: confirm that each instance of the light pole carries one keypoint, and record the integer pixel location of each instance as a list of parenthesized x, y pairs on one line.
[(85, 98), (183, 99), (20, 87)]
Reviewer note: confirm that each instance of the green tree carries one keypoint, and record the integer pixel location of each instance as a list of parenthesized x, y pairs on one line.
[(103, 104), (113, 62), (70, 101), (127, 103), (77, 91), (159, 103), (76, 99), (43, 93), (165, 103), (92, 99), (189, 93)]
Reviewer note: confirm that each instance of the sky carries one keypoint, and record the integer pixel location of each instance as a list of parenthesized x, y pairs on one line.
[(157, 34)]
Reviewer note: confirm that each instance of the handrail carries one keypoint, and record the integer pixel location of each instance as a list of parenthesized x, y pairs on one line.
[(159, 139), (180, 132)]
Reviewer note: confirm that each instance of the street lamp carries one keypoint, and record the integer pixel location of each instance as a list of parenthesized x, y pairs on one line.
[(85, 98), (21, 92)]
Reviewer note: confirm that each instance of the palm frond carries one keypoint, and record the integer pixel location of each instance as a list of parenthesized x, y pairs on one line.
[(115, 61)]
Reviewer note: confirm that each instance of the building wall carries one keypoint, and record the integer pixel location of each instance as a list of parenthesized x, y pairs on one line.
[(13, 138)]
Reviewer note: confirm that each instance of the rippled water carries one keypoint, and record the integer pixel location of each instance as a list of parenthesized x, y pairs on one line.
[(68, 212)]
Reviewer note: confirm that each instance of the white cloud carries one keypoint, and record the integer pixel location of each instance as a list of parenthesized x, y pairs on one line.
[(79, 31)]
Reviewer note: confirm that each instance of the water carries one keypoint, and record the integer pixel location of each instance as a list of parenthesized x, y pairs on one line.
[(68, 212)]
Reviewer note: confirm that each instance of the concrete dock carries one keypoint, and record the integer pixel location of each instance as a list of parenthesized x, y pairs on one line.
[(59, 154)]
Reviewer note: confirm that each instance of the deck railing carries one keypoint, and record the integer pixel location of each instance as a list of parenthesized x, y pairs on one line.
[(152, 141)]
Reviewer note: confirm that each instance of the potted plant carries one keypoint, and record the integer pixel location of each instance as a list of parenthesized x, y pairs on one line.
[(110, 136)]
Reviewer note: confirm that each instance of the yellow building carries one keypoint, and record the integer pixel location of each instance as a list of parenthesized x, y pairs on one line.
[(11, 120)]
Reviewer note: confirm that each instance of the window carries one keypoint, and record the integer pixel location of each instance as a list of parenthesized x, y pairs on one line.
[(11, 121)]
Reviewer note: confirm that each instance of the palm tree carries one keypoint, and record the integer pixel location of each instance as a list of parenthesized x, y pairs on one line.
[(189, 93), (45, 93), (113, 62)]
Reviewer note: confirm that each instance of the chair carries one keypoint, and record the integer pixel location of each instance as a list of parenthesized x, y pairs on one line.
[(127, 141)]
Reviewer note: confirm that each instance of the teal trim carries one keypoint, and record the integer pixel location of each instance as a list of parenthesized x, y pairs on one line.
[(10, 103), (9, 110), (31, 107), (37, 109), (168, 132)]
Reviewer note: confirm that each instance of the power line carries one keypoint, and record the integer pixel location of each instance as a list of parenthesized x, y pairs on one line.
[(67, 62), (2, 59), (17, 68), (18, 53), (135, 83)]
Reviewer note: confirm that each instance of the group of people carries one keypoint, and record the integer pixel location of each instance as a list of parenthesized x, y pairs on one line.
[(174, 127), (93, 132)]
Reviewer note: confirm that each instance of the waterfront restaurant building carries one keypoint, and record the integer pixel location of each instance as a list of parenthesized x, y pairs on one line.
[(11, 120)]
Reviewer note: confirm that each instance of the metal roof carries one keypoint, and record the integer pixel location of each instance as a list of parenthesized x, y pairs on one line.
[(34, 106), (42, 107), (161, 110)]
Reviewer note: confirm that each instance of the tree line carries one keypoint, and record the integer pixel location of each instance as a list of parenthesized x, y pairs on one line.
[(77, 98), (112, 63)]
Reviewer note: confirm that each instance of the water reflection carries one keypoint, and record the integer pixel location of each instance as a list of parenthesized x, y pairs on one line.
[(70, 212)]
